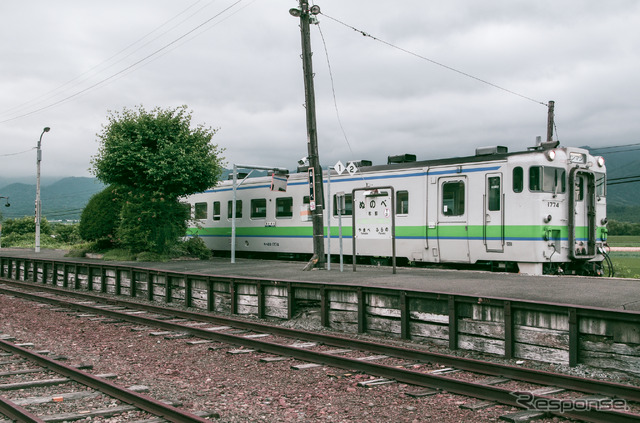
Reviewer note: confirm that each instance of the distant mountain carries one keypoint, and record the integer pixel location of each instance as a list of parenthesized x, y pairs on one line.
[(61, 200), (620, 165)]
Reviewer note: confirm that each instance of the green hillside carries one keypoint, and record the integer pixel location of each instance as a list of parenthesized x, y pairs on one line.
[(62, 200)]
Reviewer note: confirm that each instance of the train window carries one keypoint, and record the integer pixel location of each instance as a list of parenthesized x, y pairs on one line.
[(284, 207), (518, 179), (258, 208), (579, 189), (348, 205), (216, 210), (453, 198), (601, 185), (402, 202), (200, 211), (238, 209), (494, 193), (547, 179)]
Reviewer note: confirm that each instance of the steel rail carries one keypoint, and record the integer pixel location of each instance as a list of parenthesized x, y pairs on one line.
[(477, 390), (618, 390), (143, 402), (17, 413)]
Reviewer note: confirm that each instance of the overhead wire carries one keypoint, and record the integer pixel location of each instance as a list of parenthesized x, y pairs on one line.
[(122, 71), (335, 101), (19, 152), (80, 78), (404, 50)]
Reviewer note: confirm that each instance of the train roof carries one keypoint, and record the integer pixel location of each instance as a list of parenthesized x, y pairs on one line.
[(483, 154)]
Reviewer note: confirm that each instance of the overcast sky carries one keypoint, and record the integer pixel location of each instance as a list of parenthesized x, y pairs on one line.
[(236, 65)]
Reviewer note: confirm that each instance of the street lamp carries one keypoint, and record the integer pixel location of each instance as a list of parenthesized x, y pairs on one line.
[(6, 205), (38, 205)]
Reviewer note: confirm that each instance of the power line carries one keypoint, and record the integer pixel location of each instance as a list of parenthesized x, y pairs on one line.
[(122, 71), (614, 146), (15, 154), (623, 180), (70, 84), (365, 34)]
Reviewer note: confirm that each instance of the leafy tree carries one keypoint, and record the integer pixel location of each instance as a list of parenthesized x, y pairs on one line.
[(101, 216), (155, 158)]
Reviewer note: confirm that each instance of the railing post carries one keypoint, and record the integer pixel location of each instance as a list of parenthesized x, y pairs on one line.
[(362, 313), (65, 276), (103, 280), (167, 288), (453, 323), (234, 296), (260, 292), (324, 307), (187, 291), (508, 330), (118, 282), (210, 295), (405, 318), (573, 337), (132, 287), (149, 286), (291, 301)]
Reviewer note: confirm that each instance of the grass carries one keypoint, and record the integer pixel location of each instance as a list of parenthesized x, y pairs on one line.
[(625, 263), (624, 240)]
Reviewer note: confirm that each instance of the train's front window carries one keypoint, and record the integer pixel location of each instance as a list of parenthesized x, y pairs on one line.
[(601, 185), (547, 179)]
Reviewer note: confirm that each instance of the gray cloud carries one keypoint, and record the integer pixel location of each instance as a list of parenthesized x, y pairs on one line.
[(242, 73)]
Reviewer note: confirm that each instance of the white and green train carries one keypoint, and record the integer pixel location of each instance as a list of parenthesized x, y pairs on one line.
[(537, 211)]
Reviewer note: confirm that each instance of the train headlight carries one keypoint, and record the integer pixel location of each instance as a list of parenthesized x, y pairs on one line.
[(547, 218), (550, 155), (600, 161)]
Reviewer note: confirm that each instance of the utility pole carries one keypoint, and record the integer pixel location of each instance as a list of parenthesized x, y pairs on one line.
[(550, 121), (306, 16), (38, 203)]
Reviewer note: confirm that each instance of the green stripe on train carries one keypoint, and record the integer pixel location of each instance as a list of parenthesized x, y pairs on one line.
[(448, 231)]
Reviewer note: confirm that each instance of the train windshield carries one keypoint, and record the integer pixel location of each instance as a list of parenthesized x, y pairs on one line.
[(601, 185), (547, 179)]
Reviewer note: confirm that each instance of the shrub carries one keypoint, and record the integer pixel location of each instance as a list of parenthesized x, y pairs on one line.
[(101, 216), (25, 225)]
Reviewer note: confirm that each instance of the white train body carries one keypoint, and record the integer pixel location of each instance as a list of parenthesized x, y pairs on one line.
[(543, 209)]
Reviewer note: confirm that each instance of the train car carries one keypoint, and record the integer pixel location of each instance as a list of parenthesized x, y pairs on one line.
[(537, 211)]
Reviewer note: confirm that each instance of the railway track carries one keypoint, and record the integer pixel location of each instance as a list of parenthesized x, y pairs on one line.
[(43, 371), (608, 402)]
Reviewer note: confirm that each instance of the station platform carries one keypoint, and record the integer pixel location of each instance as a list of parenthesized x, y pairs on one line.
[(599, 292)]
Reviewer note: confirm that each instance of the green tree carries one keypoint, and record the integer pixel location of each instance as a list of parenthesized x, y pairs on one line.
[(155, 158), (101, 216)]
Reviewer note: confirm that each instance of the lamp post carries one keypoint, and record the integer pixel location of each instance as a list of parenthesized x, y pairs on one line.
[(6, 205), (38, 205)]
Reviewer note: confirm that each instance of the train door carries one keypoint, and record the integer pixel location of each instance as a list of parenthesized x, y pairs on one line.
[(493, 227), (453, 229), (582, 214)]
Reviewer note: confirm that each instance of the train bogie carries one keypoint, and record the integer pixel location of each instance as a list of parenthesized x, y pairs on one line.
[(542, 209)]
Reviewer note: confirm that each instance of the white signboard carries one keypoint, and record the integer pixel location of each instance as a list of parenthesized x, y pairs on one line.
[(352, 168), (373, 218)]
